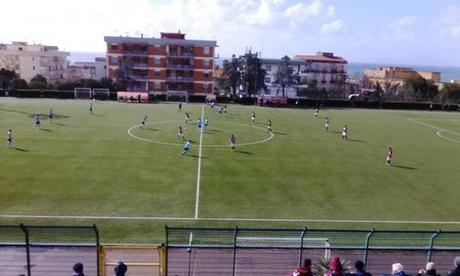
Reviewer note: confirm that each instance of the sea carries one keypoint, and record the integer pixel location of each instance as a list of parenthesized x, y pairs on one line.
[(354, 69)]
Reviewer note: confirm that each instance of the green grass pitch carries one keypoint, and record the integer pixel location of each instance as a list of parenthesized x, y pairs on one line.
[(85, 165)]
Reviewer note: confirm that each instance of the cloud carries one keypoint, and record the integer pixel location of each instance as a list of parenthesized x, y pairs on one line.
[(404, 22), (401, 29), (331, 10), (332, 27)]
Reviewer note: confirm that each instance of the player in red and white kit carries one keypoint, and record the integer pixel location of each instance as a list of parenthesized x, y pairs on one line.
[(389, 156), (345, 132), (232, 142)]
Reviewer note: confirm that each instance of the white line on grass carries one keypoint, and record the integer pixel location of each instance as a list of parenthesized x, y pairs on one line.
[(138, 218), (198, 176), (439, 130)]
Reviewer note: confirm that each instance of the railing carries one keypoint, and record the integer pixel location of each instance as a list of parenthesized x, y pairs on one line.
[(48, 250), (181, 54), (180, 79), (240, 251), (180, 66), (135, 53), (323, 71), (140, 65)]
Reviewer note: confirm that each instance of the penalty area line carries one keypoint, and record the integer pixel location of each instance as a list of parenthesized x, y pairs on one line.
[(140, 218)]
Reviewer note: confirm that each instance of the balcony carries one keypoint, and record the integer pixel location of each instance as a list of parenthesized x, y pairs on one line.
[(135, 53), (181, 54), (140, 66), (180, 66), (322, 71), (180, 79), (140, 77)]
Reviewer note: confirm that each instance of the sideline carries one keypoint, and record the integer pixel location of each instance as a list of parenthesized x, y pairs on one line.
[(198, 176)]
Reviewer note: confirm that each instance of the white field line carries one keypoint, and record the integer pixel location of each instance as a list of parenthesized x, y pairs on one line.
[(203, 145), (439, 130), (198, 175), (140, 218)]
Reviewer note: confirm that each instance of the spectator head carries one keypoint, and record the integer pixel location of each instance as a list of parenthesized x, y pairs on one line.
[(78, 268), (120, 269), (457, 261), (359, 265), (397, 267), (335, 264), (430, 266), (306, 262)]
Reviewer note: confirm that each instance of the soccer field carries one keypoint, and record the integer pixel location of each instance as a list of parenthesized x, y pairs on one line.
[(104, 168)]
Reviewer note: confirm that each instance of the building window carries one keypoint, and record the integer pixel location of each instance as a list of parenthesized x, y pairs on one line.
[(156, 73), (50, 68), (113, 59), (157, 85), (206, 63), (20, 48), (267, 80), (33, 67), (268, 68), (114, 46), (206, 50), (156, 61), (206, 86), (205, 75)]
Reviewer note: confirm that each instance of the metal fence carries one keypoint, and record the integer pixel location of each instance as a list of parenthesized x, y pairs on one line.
[(47, 250), (240, 251)]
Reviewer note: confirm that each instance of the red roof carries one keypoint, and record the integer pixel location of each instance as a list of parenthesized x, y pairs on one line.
[(321, 58)]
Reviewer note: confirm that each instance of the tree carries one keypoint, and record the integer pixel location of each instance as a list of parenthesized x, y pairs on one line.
[(231, 76), (38, 82), (419, 89), (17, 83), (308, 88), (450, 93), (6, 76), (285, 76), (253, 75)]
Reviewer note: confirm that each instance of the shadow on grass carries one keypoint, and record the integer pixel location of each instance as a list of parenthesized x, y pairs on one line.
[(95, 115), (59, 124), (45, 129), (279, 133), (245, 152), (16, 111), (212, 131), (196, 156), (55, 117), (404, 167), (20, 149), (335, 131), (356, 140), (151, 129)]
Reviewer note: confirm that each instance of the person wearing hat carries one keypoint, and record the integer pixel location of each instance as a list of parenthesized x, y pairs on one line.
[(335, 267), (397, 269), (120, 269), (304, 270), (359, 266), (456, 270), (78, 270), (430, 270)]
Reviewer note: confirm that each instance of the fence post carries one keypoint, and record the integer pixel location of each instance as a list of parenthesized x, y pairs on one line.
[(430, 249), (96, 231), (302, 235), (166, 250), (26, 233), (235, 234), (366, 250)]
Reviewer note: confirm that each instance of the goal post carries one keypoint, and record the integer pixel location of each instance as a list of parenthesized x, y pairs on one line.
[(177, 96), (82, 93)]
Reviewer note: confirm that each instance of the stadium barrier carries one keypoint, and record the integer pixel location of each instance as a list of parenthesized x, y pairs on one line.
[(48, 250), (242, 251)]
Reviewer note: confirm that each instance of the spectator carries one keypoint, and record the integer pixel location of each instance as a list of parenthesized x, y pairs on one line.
[(335, 267), (78, 270), (456, 270), (429, 271), (304, 270), (397, 269), (359, 266), (120, 269)]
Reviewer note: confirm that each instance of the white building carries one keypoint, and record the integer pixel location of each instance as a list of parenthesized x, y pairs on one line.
[(29, 60), (324, 68), (95, 70)]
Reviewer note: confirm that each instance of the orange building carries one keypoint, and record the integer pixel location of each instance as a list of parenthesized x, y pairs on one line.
[(169, 64)]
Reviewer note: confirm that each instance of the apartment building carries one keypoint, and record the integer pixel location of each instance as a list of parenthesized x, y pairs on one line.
[(396, 75), (169, 64), (29, 60), (95, 70), (324, 68)]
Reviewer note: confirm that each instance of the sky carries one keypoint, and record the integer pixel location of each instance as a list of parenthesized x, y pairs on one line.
[(377, 31)]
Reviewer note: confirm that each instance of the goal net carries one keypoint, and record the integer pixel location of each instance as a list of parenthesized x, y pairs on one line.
[(101, 93), (177, 96), (82, 93), (319, 244)]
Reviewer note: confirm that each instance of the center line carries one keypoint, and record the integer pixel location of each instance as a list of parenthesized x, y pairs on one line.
[(198, 176)]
